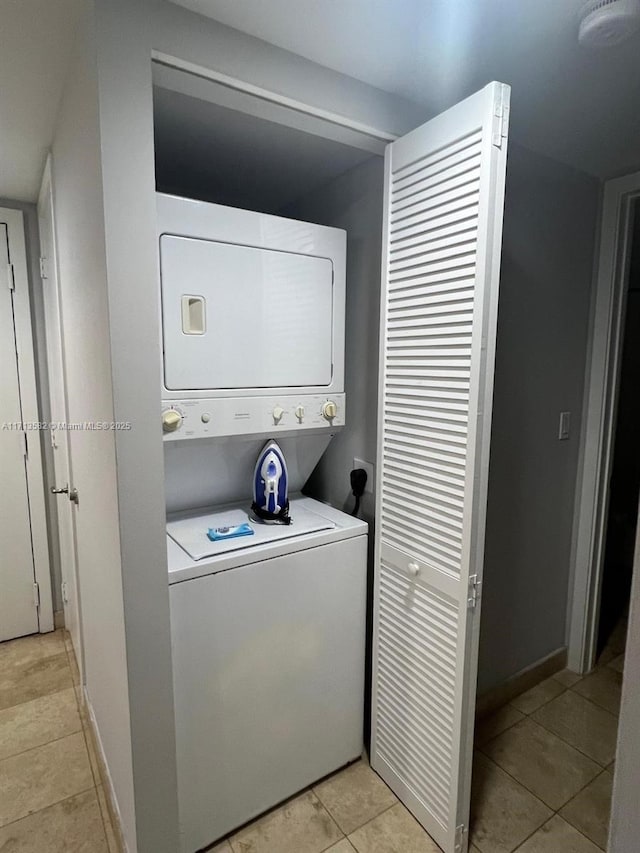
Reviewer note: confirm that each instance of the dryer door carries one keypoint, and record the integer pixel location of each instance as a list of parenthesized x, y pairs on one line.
[(238, 317)]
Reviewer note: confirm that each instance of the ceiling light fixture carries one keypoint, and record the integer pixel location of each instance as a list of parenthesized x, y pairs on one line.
[(605, 23)]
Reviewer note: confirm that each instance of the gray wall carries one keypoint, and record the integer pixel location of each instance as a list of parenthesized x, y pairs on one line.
[(42, 383), (354, 202), (80, 232), (545, 291)]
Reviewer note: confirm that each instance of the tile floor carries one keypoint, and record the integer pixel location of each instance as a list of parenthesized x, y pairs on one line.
[(51, 798), (542, 773), (542, 783)]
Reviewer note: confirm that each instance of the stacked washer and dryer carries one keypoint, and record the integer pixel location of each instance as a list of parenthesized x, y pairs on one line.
[(268, 628)]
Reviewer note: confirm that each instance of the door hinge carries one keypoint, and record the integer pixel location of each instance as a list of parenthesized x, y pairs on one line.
[(36, 594), (500, 124), (461, 832), (11, 279), (474, 592), (63, 590), (43, 268)]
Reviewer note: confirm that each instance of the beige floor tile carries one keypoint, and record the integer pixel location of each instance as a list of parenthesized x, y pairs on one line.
[(546, 765), (617, 664), (474, 849), (604, 687), (394, 831), (503, 813), (26, 650), (567, 678), (539, 695), (42, 776), (71, 826), (22, 682), (589, 811), (494, 724), (225, 847), (38, 722), (582, 724), (343, 846), (301, 826), (557, 836), (354, 796)]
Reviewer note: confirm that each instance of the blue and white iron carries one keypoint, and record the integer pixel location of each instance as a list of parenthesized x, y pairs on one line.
[(270, 486)]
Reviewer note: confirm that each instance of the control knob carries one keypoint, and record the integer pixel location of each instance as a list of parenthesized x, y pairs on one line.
[(329, 410), (278, 412), (171, 420)]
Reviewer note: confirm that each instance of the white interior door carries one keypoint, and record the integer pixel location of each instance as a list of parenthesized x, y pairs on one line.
[(58, 401), (18, 601), (444, 194)]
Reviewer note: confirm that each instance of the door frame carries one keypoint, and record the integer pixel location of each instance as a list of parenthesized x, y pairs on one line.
[(14, 220), (198, 81), (601, 391), (46, 199)]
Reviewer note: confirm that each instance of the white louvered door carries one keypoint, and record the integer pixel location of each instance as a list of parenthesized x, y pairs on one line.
[(444, 194)]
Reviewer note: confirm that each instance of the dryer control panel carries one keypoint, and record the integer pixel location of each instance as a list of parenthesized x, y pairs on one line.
[(219, 417)]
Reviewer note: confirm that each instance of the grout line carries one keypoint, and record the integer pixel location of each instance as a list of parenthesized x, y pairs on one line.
[(555, 811), (44, 808), (577, 830), (573, 746), (489, 740), (40, 745), (521, 784), (577, 794), (371, 819)]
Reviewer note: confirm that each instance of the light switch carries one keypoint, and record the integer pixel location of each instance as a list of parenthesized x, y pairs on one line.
[(564, 432)]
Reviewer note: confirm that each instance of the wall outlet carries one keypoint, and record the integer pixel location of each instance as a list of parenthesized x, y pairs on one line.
[(564, 430), (369, 467)]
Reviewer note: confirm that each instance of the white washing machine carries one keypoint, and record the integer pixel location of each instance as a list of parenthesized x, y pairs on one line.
[(268, 629), (268, 636)]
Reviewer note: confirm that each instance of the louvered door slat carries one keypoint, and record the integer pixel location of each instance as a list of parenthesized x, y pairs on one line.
[(443, 206)]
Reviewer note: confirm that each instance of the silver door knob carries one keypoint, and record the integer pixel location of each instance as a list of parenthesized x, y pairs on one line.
[(63, 491), (414, 569)]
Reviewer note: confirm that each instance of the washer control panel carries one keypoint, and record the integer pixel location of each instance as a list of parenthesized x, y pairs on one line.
[(218, 417)]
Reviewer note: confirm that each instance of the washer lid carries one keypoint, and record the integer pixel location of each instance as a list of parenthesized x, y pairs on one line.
[(191, 533)]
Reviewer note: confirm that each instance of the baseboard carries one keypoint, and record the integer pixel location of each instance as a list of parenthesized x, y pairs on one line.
[(524, 680), (58, 619), (103, 772)]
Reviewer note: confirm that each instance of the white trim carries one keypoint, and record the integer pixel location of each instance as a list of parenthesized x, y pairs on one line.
[(380, 138), (14, 220), (600, 399), (72, 618)]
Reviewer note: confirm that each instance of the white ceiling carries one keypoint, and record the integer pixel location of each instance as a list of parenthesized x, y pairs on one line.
[(572, 104), (576, 105), (35, 42)]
